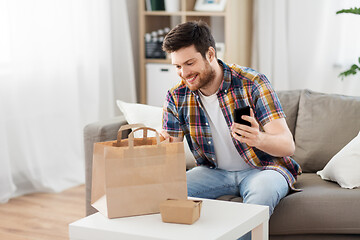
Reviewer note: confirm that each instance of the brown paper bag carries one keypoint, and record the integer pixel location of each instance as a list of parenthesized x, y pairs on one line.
[(133, 176)]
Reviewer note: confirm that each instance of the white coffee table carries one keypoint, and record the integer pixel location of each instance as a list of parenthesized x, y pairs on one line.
[(218, 220)]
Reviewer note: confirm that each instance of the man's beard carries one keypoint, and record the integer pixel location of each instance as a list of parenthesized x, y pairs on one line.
[(204, 80)]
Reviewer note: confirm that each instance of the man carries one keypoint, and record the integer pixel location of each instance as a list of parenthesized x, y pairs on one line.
[(250, 161)]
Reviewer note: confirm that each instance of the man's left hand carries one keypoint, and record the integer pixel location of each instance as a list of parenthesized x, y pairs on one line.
[(276, 139), (252, 136)]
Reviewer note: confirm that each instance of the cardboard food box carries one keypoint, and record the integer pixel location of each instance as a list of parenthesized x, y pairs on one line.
[(180, 211)]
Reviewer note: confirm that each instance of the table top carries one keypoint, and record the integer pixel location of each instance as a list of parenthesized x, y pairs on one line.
[(218, 220)]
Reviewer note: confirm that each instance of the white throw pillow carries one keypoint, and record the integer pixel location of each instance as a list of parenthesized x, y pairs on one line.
[(151, 117), (344, 167)]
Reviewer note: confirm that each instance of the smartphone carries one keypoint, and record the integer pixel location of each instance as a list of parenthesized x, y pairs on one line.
[(239, 112)]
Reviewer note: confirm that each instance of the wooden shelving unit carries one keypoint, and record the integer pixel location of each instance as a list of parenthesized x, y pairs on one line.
[(232, 26)]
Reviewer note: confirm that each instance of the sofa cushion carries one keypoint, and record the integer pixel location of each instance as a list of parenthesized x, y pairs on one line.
[(325, 124), (322, 207), (344, 167), (290, 103)]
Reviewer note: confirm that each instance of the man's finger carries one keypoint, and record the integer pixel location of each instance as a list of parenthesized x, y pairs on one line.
[(252, 113)]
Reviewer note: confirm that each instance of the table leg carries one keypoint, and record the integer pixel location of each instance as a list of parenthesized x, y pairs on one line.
[(261, 232)]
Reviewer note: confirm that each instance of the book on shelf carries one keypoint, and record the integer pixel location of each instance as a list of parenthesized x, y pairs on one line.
[(155, 5), (148, 5)]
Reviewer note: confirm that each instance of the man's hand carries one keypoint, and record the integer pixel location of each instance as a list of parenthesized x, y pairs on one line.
[(164, 136), (276, 139), (245, 134)]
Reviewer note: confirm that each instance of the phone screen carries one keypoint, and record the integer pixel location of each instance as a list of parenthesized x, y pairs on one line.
[(240, 112)]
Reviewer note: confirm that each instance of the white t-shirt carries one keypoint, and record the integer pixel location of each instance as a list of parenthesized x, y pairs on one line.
[(227, 156)]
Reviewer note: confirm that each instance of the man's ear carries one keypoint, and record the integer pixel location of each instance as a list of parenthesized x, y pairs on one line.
[(211, 54)]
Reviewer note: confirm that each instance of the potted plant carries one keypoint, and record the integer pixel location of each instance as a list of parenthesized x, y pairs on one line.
[(354, 68)]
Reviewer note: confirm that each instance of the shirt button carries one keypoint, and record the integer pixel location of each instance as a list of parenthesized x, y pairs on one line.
[(209, 142), (225, 91), (206, 124)]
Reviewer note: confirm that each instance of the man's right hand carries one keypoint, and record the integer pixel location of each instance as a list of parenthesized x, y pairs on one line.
[(164, 136)]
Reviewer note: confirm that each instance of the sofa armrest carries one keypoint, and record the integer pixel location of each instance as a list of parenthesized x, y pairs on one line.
[(101, 131)]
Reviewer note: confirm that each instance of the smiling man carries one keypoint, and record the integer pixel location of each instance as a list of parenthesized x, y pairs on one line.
[(232, 159)]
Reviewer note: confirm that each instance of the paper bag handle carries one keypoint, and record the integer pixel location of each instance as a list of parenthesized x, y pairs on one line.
[(145, 130), (126, 127)]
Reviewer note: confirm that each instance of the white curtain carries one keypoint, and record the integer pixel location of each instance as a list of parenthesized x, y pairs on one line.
[(124, 48), (55, 77), (303, 44)]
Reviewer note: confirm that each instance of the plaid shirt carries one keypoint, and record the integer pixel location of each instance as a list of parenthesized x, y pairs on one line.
[(183, 115)]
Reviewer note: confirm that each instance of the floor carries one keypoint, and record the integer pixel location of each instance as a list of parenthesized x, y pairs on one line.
[(42, 215)]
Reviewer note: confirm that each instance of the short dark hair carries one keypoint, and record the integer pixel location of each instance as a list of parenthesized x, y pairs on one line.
[(187, 34)]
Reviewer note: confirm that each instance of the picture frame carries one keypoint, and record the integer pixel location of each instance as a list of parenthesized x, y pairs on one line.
[(210, 5)]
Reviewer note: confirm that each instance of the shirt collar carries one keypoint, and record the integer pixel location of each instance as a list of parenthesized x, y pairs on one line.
[(224, 86)]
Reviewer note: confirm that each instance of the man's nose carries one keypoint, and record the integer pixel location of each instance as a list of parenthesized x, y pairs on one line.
[(184, 72)]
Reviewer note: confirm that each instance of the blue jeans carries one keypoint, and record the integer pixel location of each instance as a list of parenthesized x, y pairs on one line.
[(264, 187)]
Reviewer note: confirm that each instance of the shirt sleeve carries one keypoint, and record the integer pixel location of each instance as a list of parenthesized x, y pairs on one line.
[(170, 119), (267, 103)]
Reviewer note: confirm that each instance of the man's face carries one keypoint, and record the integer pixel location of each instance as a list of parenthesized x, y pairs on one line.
[(194, 70)]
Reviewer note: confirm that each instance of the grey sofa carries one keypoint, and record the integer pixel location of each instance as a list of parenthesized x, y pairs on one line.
[(321, 124)]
